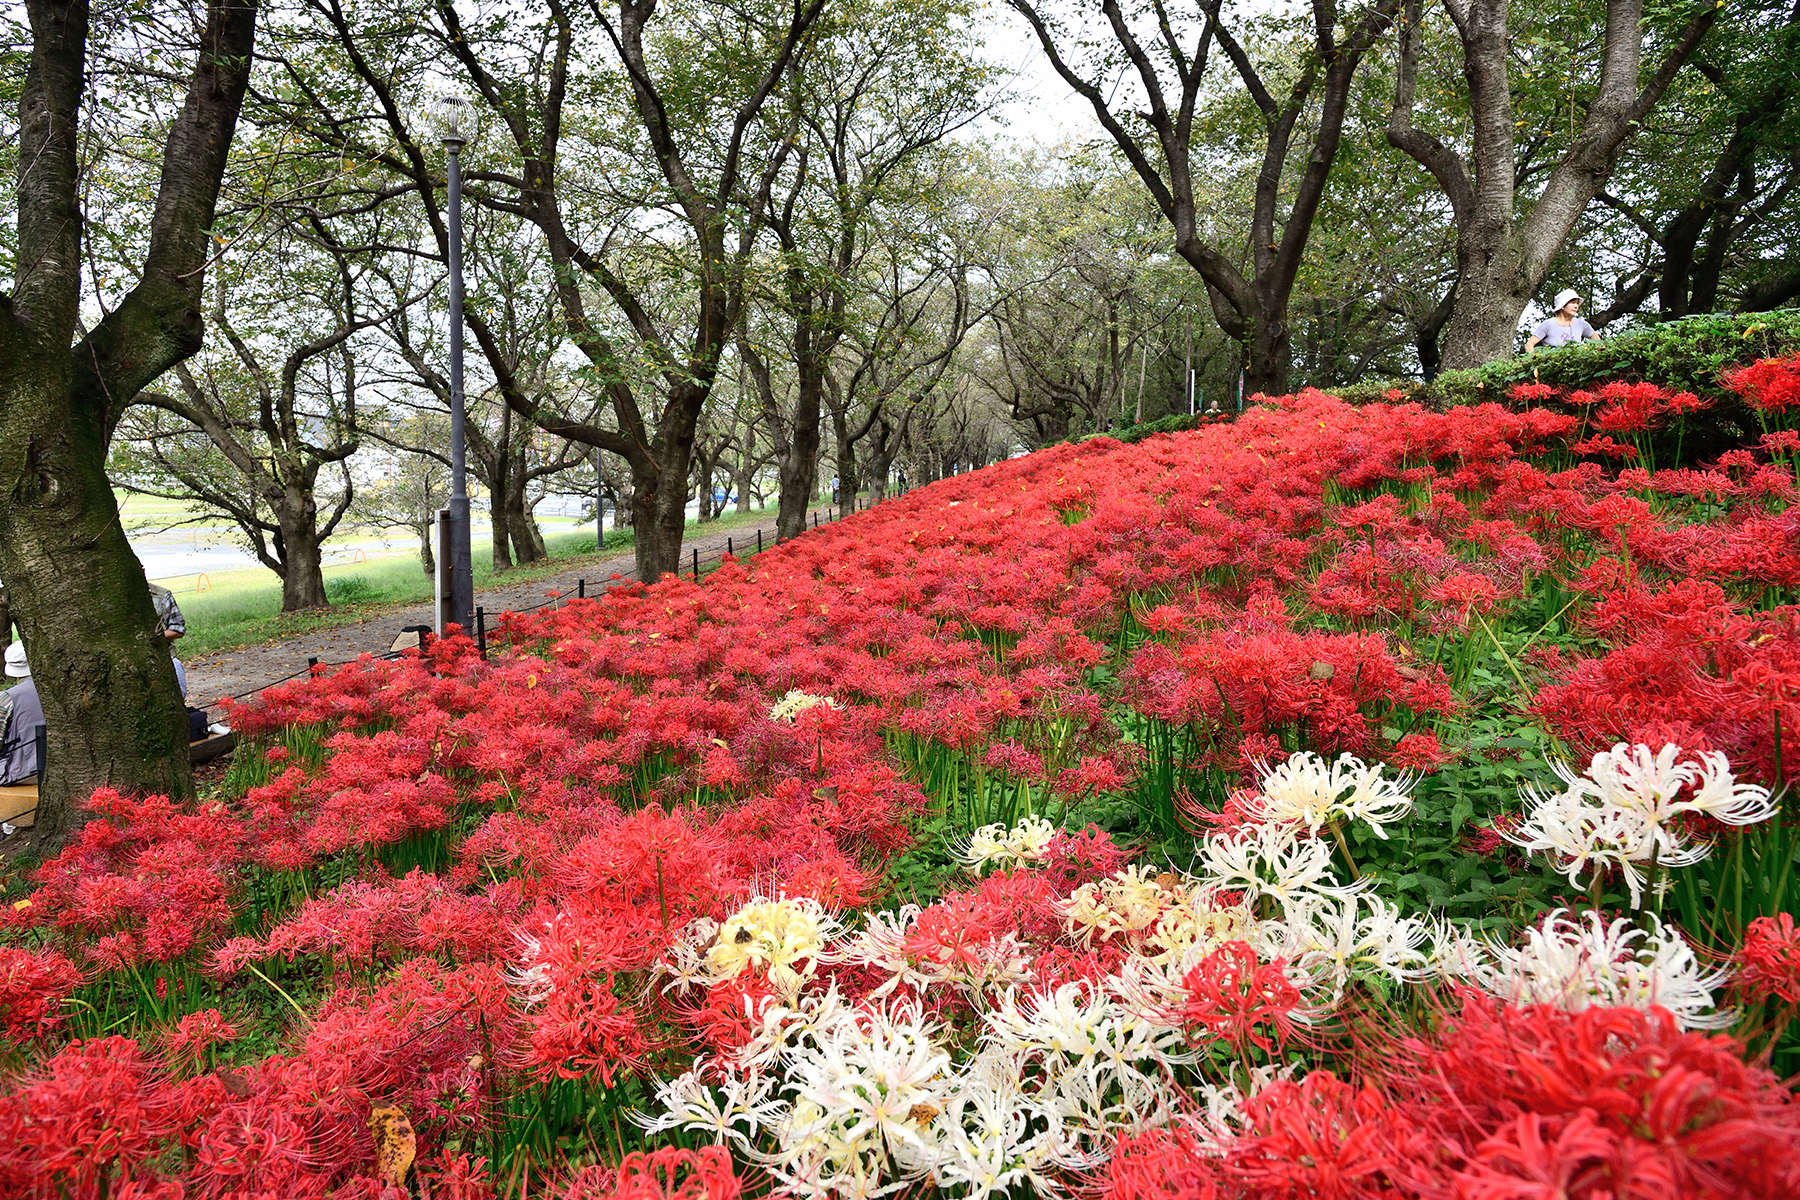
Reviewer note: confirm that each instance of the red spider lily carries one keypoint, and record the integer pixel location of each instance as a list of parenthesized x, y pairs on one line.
[(1091, 776), (1160, 1164), (1606, 1102), (1319, 1138), (1232, 996), (1466, 594), (197, 1033), (1604, 447), (952, 931), (360, 922), (92, 1117), (666, 1174), (1075, 858), (33, 987), (1768, 963), (731, 1012), (1770, 385)]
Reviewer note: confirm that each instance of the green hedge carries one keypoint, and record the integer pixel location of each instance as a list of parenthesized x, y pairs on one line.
[(1173, 423), (1685, 355)]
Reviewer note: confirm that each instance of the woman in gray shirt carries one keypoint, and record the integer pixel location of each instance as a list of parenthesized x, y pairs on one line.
[(1562, 327)]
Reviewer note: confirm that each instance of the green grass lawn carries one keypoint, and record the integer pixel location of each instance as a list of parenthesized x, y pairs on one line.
[(242, 608)]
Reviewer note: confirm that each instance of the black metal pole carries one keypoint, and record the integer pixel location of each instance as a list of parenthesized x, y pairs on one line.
[(462, 564), (481, 631), (581, 589), (696, 566), (312, 662), (759, 541), (728, 548)]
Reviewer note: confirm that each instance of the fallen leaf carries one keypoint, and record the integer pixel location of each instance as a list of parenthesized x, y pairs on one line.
[(395, 1144)]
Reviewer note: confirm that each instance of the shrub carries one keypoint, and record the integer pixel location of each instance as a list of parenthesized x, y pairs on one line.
[(350, 589), (1688, 355)]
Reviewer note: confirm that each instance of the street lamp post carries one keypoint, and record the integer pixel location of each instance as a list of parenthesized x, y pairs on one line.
[(455, 119)]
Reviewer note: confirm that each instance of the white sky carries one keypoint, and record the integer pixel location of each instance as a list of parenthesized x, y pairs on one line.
[(1043, 110)]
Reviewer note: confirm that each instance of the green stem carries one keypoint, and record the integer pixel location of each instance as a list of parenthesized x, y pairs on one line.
[(251, 967), (1507, 658), (1344, 846)]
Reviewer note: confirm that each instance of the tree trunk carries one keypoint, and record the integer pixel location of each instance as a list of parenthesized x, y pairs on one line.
[(427, 559), (527, 538), (848, 484), (502, 523), (302, 577), (659, 495), (521, 526), (659, 518), (704, 466), (881, 458), (113, 711), (744, 477), (1489, 299), (1268, 350)]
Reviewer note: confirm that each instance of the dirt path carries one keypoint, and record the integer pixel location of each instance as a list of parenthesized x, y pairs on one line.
[(251, 668)]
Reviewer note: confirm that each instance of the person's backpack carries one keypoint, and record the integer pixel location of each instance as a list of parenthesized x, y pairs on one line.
[(196, 724)]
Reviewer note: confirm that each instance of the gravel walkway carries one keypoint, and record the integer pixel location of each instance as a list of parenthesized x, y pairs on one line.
[(251, 668)]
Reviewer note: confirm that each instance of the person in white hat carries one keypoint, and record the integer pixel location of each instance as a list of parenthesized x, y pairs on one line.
[(20, 759), (1562, 327)]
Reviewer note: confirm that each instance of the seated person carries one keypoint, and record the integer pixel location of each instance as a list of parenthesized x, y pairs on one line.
[(21, 762), (171, 627)]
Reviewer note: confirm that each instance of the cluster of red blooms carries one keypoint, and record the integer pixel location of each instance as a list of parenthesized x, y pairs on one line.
[(1499, 1104), (1771, 385), (1769, 962), (621, 767)]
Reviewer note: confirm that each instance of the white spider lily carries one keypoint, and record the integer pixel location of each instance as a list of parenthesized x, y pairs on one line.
[(1025, 844), (1221, 1119), (1455, 953), (1624, 812), (992, 1135), (1335, 939), (1308, 791), (1574, 964), (735, 1111), (784, 938), (790, 706), (1273, 861)]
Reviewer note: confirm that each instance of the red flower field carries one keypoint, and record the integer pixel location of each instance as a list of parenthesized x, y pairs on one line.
[(1337, 802)]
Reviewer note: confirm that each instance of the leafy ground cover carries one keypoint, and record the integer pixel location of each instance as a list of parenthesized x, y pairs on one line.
[(1349, 801)]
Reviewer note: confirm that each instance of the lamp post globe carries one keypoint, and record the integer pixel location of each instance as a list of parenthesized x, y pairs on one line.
[(454, 121)]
